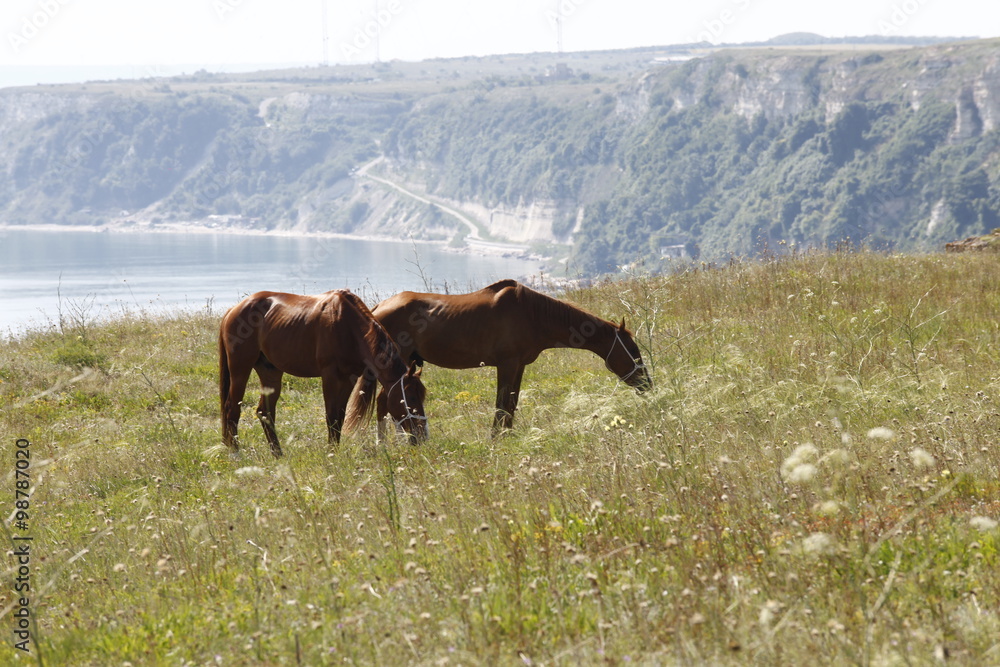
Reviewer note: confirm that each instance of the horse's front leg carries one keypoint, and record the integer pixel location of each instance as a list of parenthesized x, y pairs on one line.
[(508, 390), (336, 394), (381, 412)]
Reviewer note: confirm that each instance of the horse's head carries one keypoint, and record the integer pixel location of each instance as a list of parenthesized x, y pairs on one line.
[(625, 360), (405, 403)]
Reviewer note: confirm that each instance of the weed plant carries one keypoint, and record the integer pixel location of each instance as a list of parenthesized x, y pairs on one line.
[(815, 479)]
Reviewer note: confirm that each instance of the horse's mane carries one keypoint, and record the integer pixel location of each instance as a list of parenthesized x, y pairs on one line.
[(541, 307), (385, 356), (378, 340)]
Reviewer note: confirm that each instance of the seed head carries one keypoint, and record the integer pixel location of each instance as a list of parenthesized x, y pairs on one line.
[(921, 458), (881, 433)]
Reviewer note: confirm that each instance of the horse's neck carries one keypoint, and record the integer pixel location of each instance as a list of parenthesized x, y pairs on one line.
[(582, 330), (387, 366), (389, 373)]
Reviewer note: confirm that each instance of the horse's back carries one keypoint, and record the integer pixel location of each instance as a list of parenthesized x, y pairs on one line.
[(297, 333), (456, 330), (500, 292), (285, 306), (500, 285), (400, 301), (242, 316)]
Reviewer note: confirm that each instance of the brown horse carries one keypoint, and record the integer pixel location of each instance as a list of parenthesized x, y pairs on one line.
[(332, 336), (506, 325)]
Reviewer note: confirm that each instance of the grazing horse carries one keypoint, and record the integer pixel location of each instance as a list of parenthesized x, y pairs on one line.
[(506, 325), (332, 336)]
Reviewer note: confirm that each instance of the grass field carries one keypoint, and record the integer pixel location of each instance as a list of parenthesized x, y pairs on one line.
[(814, 479)]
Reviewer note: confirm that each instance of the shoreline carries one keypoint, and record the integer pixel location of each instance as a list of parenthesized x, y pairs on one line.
[(25, 315), (480, 248)]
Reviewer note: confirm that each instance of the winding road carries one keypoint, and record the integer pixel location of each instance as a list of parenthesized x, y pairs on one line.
[(473, 238)]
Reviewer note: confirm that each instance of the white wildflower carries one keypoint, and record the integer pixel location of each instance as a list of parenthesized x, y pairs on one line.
[(881, 433), (983, 523), (820, 544), (828, 507), (838, 456), (256, 471), (921, 458), (801, 474), (803, 454)]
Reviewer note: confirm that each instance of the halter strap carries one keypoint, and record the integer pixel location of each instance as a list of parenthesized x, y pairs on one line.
[(406, 406), (607, 360)]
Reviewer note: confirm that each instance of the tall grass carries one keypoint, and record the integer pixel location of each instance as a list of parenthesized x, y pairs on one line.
[(815, 478)]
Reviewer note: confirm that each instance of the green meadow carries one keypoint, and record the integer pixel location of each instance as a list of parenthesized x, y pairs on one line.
[(814, 479)]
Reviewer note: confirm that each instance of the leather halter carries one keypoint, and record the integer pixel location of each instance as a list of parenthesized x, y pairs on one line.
[(607, 360), (409, 413)]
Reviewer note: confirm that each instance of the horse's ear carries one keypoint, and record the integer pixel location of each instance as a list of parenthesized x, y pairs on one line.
[(621, 327), (415, 369)]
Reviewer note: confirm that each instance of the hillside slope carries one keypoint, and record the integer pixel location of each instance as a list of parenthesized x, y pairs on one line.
[(736, 152)]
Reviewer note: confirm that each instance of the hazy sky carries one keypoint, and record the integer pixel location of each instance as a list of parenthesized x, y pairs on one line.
[(152, 36)]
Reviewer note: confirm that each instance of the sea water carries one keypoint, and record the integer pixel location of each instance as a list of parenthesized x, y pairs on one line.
[(48, 277)]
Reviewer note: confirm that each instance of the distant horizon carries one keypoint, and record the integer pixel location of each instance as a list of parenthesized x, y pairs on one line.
[(64, 74), (223, 34), (32, 75)]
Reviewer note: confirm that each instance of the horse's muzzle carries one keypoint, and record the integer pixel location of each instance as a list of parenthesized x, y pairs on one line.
[(418, 435)]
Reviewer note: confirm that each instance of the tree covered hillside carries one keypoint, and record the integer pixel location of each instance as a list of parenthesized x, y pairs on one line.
[(737, 152), (885, 169), (170, 155)]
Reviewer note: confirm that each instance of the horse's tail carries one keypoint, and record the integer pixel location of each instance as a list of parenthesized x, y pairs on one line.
[(225, 382), (362, 402)]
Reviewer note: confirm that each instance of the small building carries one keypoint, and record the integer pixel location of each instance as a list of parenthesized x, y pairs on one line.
[(678, 251)]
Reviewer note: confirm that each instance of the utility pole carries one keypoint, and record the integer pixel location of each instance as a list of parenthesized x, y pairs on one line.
[(378, 34), (326, 35)]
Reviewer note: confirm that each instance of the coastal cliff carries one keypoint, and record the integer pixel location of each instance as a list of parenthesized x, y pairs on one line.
[(616, 158)]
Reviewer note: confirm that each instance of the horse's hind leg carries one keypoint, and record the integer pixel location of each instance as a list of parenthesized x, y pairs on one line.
[(336, 393), (270, 391), (238, 378)]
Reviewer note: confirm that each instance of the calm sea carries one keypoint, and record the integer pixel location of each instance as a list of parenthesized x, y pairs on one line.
[(96, 275)]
